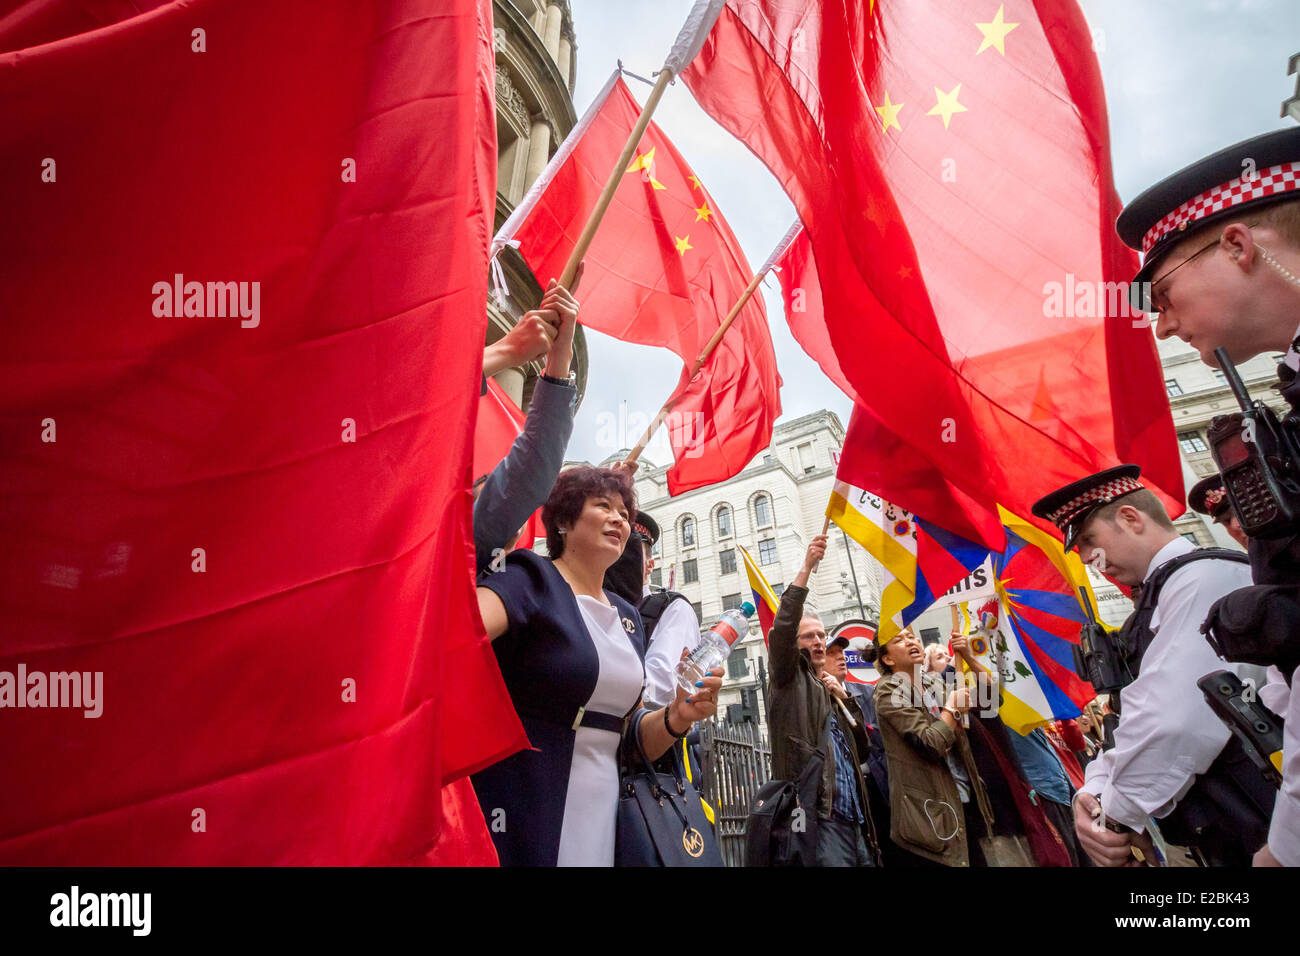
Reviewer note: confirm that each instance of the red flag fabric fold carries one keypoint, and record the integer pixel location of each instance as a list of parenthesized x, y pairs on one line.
[(246, 267), (952, 172)]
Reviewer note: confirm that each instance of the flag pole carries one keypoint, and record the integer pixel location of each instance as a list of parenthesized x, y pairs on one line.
[(588, 233), (690, 39), (703, 357)]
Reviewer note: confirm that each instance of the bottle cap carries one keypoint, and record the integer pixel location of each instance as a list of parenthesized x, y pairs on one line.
[(747, 609)]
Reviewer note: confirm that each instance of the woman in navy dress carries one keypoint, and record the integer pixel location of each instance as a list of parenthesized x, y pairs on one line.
[(572, 656)]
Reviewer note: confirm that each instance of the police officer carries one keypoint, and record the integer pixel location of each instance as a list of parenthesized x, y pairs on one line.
[(1172, 758), (1221, 245), (1208, 498)]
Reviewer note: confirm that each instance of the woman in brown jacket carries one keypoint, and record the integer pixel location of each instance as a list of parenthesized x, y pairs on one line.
[(935, 793)]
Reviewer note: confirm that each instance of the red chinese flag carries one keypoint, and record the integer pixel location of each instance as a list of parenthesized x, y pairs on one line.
[(664, 269), (951, 166), (873, 456), (243, 518)]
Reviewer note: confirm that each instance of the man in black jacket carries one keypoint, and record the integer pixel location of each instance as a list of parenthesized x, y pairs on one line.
[(805, 721)]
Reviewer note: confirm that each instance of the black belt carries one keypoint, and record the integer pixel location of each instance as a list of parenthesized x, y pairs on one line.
[(583, 718)]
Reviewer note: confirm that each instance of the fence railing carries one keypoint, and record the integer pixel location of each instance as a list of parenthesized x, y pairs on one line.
[(735, 761)]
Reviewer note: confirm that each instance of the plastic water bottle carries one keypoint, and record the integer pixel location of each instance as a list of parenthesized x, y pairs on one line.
[(714, 647)]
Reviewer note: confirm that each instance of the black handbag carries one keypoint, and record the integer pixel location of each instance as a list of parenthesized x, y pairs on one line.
[(781, 829), (661, 821)]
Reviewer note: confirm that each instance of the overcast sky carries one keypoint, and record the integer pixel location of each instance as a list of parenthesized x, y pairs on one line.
[(1183, 78)]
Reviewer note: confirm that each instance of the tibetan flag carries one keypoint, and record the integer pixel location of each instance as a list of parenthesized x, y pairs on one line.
[(664, 269), (951, 166), (251, 517), (921, 560), (765, 600), (1026, 635)]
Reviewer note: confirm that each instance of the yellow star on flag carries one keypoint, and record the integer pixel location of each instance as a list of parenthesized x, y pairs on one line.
[(995, 32), (947, 104), (704, 212), (646, 162), (695, 182), (889, 115), (683, 243)]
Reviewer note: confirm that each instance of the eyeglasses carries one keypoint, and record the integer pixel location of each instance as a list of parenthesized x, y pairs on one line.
[(1202, 250), (1155, 295)]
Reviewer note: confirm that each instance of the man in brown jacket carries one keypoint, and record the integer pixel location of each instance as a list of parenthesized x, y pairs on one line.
[(805, 720)]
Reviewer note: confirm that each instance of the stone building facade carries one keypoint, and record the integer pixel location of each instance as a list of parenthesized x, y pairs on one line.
[(536, 65)]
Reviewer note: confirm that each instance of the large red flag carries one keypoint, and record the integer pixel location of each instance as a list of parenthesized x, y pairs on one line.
[(874, 456), (244, 283), (664, 269), (951, 165)]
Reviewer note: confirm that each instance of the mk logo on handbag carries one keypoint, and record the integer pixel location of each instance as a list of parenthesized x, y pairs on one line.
[(692, 842)]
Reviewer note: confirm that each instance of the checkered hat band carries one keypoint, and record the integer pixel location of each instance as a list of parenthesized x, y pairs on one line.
[(1272, 182), (1106, 492)]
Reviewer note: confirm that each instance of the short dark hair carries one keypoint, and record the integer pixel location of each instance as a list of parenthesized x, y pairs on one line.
[(569, 496)]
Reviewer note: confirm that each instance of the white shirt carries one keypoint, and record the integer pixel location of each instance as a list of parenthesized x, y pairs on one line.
[(1292, 357), (591, 801), (1284, 831), (1167, 733), (678, 628)]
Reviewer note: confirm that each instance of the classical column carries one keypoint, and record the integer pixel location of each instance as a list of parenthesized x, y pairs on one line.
[(551, 30), (511, 381), (539, 150), (563, 60)]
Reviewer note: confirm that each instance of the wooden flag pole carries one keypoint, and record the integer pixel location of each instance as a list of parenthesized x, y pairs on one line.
[(703, 357), (615, 177), (956, 623)]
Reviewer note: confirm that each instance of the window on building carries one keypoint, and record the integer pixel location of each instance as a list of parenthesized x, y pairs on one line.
[(657, 578), (1191, 537), (727, 561), (690, 572), (929, 635), (1172, 387), (724, 522), (767, 459), (655, 550), (688, 532), (737, 664), (699, 610), (806, 457), (1191, 442), (778, 589), (763, 511), (767, 551), (730, 602)]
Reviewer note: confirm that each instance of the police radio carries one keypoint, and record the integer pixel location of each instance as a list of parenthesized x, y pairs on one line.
[(1257, 728), (1259, 459), (1101, 657)]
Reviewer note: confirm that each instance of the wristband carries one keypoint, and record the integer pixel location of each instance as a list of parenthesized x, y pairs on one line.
[(570, 382)]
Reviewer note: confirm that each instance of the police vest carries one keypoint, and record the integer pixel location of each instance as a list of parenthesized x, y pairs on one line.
[(652, 609), (1136, 633), (1224, 816)]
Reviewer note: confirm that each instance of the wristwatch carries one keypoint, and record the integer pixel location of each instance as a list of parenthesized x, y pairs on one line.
[(570, 382)]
